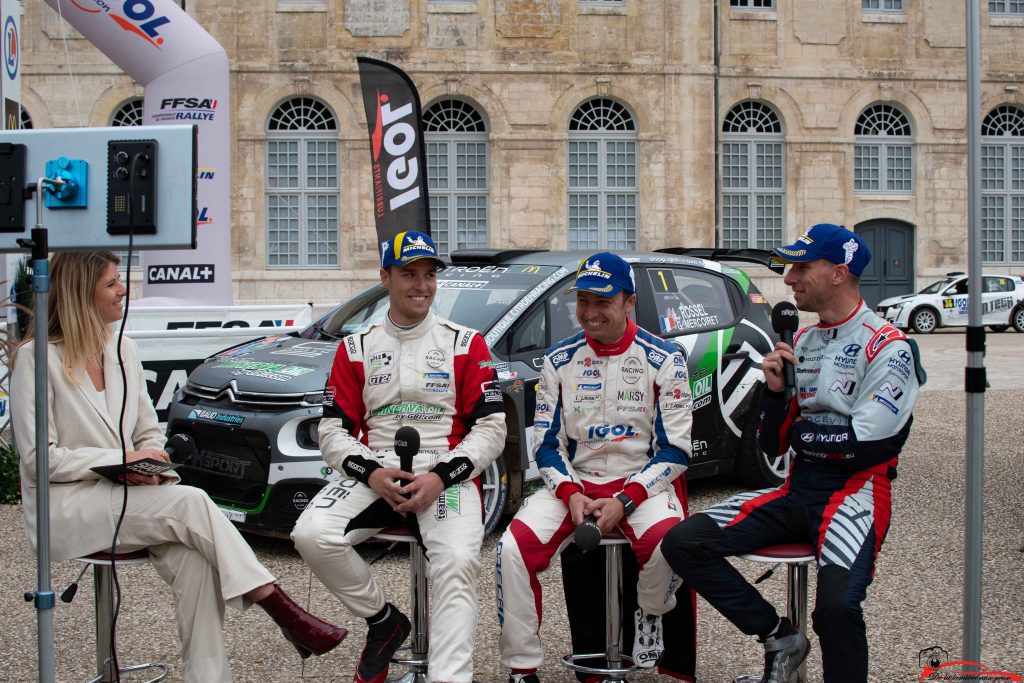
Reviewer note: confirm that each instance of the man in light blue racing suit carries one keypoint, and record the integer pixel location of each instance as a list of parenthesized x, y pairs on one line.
[(612, 425), (857, 379)]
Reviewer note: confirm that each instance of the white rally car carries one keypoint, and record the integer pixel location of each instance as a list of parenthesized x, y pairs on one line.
[(944, 303)]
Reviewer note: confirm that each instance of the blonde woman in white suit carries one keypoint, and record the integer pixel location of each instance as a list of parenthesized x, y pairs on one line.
[(193, 547)]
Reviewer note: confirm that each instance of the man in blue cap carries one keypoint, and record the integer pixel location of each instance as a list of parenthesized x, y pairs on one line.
[(857, 378), (611, 439), (412, 369)]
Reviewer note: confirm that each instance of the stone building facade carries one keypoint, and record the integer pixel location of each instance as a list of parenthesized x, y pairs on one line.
[(596, 123)]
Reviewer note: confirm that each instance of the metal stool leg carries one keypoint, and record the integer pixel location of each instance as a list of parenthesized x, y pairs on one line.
[(613, 611), (103, 587), (796, 604), (420, 600)]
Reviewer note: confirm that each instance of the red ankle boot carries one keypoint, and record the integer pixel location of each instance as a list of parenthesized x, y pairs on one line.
[(309, 634)]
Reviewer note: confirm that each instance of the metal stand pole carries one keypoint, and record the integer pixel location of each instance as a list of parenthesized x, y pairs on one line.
[(43, 596)]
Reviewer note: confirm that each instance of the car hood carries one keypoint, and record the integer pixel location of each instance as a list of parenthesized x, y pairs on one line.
[(893, 300), (277, 364)]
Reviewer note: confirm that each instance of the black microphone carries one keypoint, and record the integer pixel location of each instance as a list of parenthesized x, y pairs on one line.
[(786, 321), (180, 448), (588, 534), (407, 445)]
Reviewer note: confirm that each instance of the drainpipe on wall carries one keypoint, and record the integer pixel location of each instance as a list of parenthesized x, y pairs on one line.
[(717, 24)]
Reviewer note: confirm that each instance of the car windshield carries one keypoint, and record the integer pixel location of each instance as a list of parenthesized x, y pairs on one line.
[(474, 296), (936, 287)]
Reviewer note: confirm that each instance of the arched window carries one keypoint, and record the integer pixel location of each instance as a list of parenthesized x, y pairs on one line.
[(883, 153), (753, 177), (1002, 185), (602, 176), (302, 185), (25, 120), (457, 171), (128, 114)]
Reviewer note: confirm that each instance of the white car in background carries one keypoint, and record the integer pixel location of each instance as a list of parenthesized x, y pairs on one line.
[(944, 304)]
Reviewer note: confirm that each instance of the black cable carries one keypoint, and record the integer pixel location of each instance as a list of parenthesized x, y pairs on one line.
[(120, 421)]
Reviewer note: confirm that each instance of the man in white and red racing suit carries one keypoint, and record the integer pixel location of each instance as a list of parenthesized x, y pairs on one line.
[(413, 369), (857, 379), (611, 435)]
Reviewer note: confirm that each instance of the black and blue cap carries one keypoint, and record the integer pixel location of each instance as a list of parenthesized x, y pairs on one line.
[(604, 273), (406, 247), (830, 242)]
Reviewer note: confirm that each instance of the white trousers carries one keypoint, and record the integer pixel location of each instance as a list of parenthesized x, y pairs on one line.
[(452, 530), (204, 560), (540, 531)]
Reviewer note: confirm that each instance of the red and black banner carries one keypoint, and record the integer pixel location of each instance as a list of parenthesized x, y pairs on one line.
[(397, 152)]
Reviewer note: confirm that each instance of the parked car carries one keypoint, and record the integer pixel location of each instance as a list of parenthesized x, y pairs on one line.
[(254, 409), (944, 303)]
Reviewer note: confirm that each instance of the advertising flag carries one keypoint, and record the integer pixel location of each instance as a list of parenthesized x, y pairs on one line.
[(397, 152)]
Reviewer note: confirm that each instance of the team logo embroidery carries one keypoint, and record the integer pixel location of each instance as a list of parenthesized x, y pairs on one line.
[(844, 388), (892, 390), (850, 248)]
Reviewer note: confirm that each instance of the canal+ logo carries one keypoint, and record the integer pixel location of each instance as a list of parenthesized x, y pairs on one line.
[(140, 17)]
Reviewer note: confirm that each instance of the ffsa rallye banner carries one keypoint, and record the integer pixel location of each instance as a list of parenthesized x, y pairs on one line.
[(397, 153)]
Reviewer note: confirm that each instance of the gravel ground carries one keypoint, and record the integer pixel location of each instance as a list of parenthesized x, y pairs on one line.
[(915, 602)]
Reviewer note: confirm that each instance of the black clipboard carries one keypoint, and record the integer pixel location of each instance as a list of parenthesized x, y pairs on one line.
[(147, 467)]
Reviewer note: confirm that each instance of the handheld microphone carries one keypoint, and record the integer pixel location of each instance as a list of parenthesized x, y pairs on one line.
[(407, 445), (786, 321), (588, 534), (180, 448)]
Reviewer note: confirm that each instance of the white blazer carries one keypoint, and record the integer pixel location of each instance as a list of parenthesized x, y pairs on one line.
[(81, 435)]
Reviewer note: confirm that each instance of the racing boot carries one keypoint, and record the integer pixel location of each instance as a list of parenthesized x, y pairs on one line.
[(309, 635), (648, 641), (523, 678), (783, 653), (383, 638)]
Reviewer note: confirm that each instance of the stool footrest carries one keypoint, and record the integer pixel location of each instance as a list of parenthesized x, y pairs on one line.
[(137, 667), (569, 662)]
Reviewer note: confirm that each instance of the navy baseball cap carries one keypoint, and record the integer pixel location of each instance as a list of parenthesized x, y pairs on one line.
[(604, 273), (831, 242), (407, 247)]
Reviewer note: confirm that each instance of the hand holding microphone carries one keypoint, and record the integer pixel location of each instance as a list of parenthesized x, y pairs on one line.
[(785, 322), (407, 445)]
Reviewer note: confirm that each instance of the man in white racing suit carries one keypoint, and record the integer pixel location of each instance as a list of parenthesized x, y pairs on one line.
[(413, 369), (611, 435), (857, 379)]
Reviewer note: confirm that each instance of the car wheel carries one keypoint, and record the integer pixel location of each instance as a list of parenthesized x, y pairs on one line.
[(999, 328), (1017, 319), (494, 482), (754, 467), (924, 320)]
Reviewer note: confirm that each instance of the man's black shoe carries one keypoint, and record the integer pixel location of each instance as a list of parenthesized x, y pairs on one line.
[(382, 640), (523, 678)]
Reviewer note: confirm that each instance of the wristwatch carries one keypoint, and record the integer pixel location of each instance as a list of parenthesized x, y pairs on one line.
[(627, 503)]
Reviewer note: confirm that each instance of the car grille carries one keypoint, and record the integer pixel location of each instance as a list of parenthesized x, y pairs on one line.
[(257, 400), (233, 466)]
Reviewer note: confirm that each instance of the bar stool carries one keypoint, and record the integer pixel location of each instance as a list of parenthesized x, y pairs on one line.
[(796, 557), (416, 659), (103, 590), (617, 664)]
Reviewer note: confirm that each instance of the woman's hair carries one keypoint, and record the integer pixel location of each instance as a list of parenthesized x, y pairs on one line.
[(74, 320)]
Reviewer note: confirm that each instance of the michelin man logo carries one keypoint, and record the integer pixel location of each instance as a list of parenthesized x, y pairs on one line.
[(416, 241), (596, 265), (850, 248)]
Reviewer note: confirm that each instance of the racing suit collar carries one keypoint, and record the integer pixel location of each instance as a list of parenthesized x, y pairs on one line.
[(854, 312), (417, 331), (618, 347)]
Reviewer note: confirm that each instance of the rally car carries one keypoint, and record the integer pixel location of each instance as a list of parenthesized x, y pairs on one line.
[(254, 409), (944, 303)]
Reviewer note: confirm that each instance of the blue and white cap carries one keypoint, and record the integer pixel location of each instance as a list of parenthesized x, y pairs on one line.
[(407, 247), (830, 242), (604, 273)]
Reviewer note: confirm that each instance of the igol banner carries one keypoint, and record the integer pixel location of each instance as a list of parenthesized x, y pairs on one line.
[(397, 153)]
